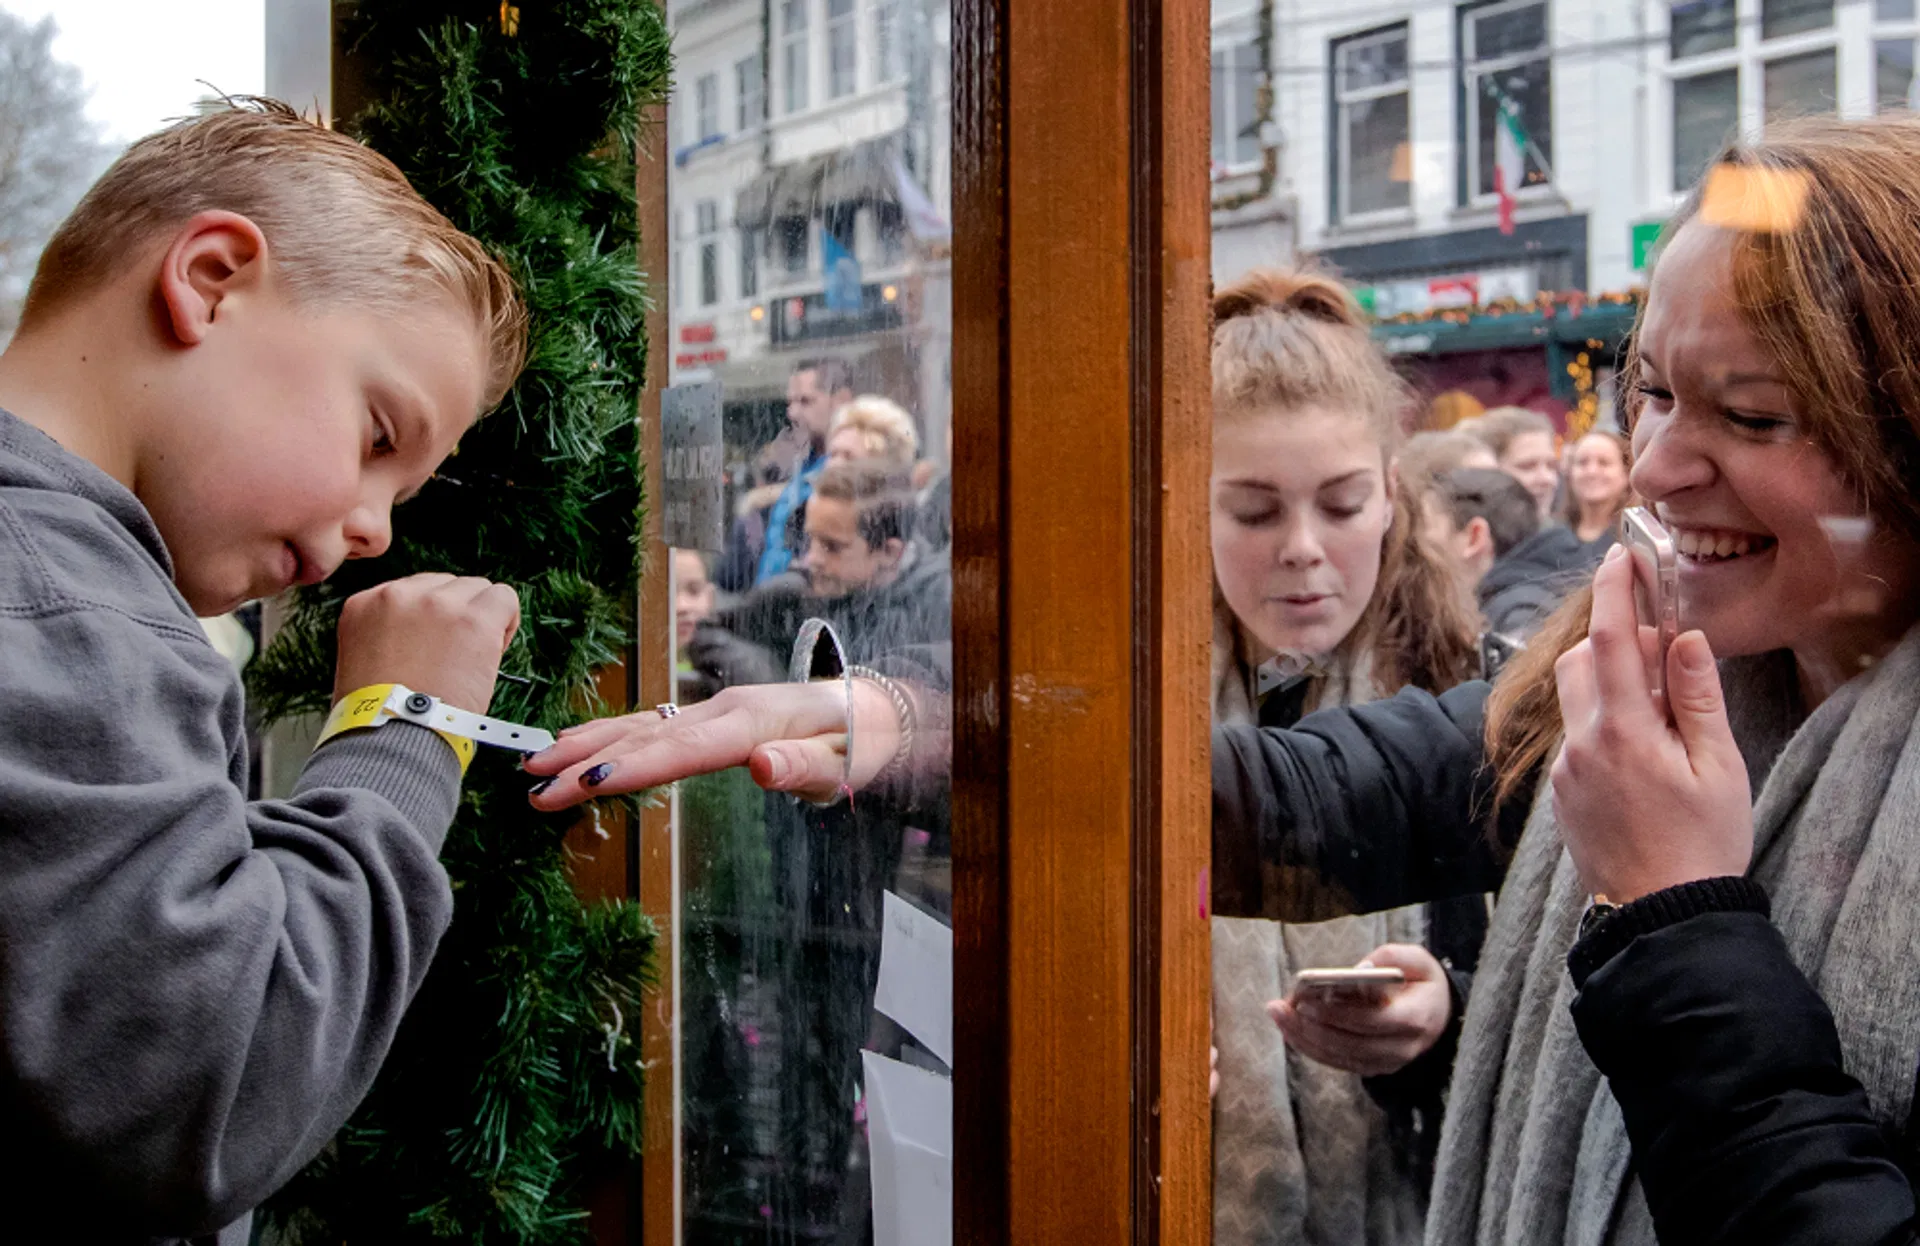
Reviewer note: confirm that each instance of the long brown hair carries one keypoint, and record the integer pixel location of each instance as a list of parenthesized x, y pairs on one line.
[(1836, 291), (1286, 339)]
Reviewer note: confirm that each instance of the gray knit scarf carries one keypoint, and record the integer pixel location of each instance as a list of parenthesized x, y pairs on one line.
[(1301, 1154), (1534, 1151)]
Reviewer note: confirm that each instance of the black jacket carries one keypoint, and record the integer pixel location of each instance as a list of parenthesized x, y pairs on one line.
[(1523, 588), (1745, 1125), (1358, 809)]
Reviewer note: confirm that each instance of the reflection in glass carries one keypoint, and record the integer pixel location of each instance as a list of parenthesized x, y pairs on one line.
[(1697, 27), (1893, 73), (1369, 173), (1792, 17), (822, 310), (1798, 86), (1236, 109), (1706, 111), (1894, 10)]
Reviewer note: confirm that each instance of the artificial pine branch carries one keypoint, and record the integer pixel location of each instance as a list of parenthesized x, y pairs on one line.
[(516, 1076)]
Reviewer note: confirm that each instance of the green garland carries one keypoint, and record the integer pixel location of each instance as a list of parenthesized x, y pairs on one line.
[(516, 1079)]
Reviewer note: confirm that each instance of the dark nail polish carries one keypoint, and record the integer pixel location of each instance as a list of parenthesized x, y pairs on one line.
[(542, 785), (598, 775)]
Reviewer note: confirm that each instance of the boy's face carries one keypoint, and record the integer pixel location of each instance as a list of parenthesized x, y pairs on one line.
[(290, 432)]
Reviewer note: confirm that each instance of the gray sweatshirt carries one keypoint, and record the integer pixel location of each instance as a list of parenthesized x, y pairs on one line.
[(195, 991)]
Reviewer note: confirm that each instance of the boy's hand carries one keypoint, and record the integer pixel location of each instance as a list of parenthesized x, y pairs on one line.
[(438, 634)]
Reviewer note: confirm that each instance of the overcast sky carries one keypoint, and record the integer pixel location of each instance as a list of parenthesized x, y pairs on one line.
[(143, 59)]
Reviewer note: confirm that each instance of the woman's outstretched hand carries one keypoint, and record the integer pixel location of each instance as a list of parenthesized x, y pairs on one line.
[(791, 736), (1645, 803)]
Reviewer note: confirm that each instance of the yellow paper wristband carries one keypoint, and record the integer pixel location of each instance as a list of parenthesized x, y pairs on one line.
[(366, 707)]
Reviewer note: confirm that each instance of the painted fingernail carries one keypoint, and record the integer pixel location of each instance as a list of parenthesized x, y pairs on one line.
[(543, 785), (598, 775)]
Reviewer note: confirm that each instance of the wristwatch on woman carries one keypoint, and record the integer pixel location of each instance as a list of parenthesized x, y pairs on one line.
[(1599, 911)]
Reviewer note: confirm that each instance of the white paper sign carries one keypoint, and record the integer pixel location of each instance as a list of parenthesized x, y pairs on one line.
[(916, 975), (910, 1140)]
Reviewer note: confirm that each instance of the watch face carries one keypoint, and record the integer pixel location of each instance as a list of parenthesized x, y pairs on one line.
[(1596, 916)]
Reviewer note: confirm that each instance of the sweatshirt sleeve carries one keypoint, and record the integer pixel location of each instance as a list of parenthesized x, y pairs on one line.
[(1358, 809), (195, 991)]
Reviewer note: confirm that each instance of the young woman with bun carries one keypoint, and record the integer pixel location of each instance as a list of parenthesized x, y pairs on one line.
[(1325, 595)]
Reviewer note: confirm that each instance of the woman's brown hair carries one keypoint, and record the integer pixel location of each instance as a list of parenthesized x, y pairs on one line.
[(1284, 339), (1570, 505), (1834, 291)]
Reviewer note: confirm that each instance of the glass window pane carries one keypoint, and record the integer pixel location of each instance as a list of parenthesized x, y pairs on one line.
[(1706, 112), (1373, 62), (1376, 131), (795, 53), (1793, 17), (1246, 101), (1529, 88), (1508, 32), (1222, 92), (1893, 73), (747, 92), (1797, 86), (1697, 27), (780, 903), (1894, 10)]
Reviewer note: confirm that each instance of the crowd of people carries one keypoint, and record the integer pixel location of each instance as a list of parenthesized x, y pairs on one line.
[(1688, 1017), (1652, 936)]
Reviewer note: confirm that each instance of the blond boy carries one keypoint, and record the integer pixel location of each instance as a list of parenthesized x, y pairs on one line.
[(245, 345)]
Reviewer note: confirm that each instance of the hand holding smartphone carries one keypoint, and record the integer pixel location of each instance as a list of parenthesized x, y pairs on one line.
[(1362, 981), (1656, 589)]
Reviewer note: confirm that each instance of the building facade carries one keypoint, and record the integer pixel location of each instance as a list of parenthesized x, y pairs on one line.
[(808, 198), (1385, 116)]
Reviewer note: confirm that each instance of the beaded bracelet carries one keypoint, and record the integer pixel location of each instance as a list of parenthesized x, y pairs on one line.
[(903, 708)]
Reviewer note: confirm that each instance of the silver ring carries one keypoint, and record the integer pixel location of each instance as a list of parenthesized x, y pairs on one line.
[(667, 709)]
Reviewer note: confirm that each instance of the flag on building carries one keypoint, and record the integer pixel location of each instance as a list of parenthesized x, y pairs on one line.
[(925, 221), (1509, 155)]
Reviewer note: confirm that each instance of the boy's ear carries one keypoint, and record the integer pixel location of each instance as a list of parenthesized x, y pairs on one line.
[(1479, 534), (214, 256)]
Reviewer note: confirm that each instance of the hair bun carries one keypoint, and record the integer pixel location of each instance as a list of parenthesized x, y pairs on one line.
[(1300, 291)]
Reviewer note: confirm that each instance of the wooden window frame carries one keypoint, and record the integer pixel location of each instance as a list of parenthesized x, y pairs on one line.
[(1081, 630)]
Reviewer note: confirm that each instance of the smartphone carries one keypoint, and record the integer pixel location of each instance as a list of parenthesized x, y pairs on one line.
[(1656, 587), (1330, 983)]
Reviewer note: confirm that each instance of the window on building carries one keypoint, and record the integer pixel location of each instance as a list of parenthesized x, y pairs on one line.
[(1894, 84), (1779, 18), (1706, 113), (706, 215), (1893, 74), (1371, 161), (793, 53), (749, 262), (793, 244), (749, 92), (890, 230), (706, 107), (1796, 86), (1697, 27), (843, 48), (1506, 65), (1236, 104), (886, 40)]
